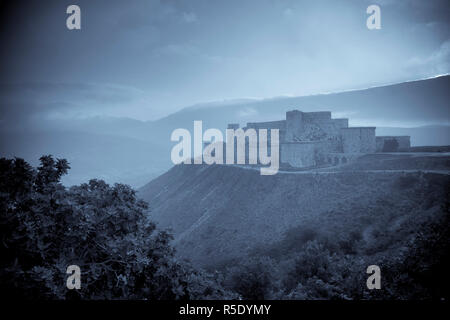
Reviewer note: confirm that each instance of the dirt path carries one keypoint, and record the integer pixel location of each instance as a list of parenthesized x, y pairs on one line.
[(318, 171)]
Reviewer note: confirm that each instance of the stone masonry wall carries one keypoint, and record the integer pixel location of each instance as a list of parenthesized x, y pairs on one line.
[(358, 140), (404, 142), (298, 154)]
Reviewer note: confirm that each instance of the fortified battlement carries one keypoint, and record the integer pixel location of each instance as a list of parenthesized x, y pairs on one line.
[(358, 139), (309, 139), (359, 128), (281, 124), (341, 123), (392, 143), (233, 126), (321, 115)]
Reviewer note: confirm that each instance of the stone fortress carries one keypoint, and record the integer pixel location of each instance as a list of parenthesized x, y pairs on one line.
[(310, 139)]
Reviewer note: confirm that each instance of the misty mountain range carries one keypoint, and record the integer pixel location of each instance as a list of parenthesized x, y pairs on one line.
[(134, 152)]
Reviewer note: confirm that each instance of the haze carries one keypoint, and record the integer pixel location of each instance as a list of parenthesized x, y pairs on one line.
[(147, 59)]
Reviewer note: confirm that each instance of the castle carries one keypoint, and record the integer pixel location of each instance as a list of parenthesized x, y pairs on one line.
[(310, 139)]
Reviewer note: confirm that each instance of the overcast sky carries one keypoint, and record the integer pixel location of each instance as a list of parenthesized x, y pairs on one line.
[(145, 59)]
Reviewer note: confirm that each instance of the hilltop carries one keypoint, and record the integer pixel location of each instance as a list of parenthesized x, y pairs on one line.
[(221, 213)]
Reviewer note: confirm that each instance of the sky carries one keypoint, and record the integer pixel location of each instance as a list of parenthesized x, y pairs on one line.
[(145, 59)]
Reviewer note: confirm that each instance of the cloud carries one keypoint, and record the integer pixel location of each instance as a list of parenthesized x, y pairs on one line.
[(288, 12), (189, 17), (248, 112), (185, 50), (41, 99), (176, 50), (438, 62)]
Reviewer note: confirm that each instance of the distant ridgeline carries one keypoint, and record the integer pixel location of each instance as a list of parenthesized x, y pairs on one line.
[(309, 139)]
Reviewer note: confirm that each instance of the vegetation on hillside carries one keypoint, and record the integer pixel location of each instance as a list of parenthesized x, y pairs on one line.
[(45, 227), (327, 256)]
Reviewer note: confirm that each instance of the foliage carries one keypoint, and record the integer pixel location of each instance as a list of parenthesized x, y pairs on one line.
[(103, 229), (253, 279), (327, 256)]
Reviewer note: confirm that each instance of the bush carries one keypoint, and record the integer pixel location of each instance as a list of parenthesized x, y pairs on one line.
[(312, 261), (253, 279)]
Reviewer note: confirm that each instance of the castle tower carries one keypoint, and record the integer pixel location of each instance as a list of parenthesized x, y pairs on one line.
[(233, 126), (358, 139)]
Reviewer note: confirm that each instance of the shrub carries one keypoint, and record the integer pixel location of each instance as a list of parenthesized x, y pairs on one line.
[(253, 279)]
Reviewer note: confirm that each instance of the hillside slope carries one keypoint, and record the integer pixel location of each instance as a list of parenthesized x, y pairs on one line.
[(218, 213)]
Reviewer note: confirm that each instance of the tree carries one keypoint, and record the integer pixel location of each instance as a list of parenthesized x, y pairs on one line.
[(253, 279), (103, 229)]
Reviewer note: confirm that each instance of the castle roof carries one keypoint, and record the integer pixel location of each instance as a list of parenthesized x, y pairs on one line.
[(358, 128)]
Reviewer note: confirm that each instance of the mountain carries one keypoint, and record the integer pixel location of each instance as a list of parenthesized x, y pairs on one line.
[(422, 101), (219, 213)]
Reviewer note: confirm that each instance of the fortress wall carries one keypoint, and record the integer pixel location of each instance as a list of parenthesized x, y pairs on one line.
[(307, 138), (315, 116), (358, 139), (404, 142), (340, 158), (350, 140), (298, 154), (379, 142), (282, 136), (341, 123), (281, 125), (254, 148), (299, 125), (368, 140), (334, 144), (321, 149), (294, 124), (329, 127), (333, 129)]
